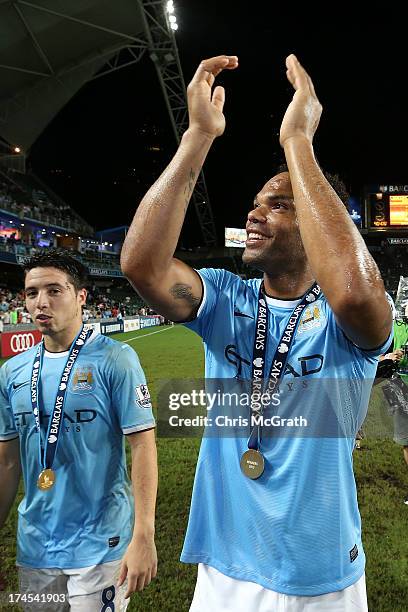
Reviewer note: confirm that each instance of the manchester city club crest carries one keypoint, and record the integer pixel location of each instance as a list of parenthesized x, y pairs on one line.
[(83, 379), (312, 319)]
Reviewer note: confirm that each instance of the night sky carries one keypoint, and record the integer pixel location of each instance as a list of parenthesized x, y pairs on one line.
[(102, 140)]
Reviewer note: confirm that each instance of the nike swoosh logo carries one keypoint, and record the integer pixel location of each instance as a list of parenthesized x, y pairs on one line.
[(242, 314), (17, 385)]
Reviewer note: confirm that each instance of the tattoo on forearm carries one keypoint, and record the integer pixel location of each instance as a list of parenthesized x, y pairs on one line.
[(188, 189), (183, 292)]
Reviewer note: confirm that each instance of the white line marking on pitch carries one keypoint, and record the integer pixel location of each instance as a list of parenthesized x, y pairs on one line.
[(150, 334)]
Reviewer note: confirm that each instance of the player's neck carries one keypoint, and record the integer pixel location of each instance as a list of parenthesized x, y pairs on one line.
[(288, 286), (61, 341)]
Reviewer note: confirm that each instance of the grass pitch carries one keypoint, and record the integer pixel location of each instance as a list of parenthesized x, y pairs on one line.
[(381, 474)]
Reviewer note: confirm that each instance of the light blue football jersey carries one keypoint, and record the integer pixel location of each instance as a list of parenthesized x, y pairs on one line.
[(87, 517), (297, 529)]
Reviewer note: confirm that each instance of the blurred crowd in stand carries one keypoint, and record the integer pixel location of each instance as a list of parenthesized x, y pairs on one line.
[(99, 306), (20, 195), (12, 309), (392, 260)]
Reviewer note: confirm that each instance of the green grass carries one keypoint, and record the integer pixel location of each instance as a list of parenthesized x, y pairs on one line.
[(381, 474)]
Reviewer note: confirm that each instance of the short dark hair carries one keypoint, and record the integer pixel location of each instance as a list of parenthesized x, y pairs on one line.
[(57, 258), (334, 180)]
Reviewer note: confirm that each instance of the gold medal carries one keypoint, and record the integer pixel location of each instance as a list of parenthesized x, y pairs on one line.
[(46, 480), (252, 464)]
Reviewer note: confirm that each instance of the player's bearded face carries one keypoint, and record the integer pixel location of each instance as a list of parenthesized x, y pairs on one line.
[(52, 300), (273, 241)]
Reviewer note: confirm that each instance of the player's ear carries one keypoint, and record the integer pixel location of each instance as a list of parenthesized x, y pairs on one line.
[(82, 293)]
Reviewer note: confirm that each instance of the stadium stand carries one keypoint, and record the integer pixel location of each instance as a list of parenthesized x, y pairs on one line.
[(26, 197), (100, 305), (33, 218)]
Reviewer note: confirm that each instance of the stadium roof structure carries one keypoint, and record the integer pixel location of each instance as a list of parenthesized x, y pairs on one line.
[(49, 49)]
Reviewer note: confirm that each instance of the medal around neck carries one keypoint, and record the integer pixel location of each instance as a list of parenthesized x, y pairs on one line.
[(252, 461), (252, 464), (46, 479)]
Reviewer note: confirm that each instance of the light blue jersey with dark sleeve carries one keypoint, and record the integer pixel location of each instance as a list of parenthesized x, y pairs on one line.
[(87, 517), (297, 529)]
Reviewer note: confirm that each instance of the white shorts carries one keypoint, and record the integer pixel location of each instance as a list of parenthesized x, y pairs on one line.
[(215, 591), (90, 589)]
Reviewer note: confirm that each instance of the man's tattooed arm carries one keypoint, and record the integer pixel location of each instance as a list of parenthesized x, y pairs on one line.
[(189, 188), (170, 286), (181, 291)]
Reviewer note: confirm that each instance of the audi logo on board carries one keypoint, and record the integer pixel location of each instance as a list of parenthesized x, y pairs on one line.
[(13, 343), (22, 342)]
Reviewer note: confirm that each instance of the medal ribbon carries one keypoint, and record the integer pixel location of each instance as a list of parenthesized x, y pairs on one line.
[(280, 358), (47, 454)]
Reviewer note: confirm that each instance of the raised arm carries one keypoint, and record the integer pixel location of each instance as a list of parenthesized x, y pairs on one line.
[(337, 254), (168, 285)]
